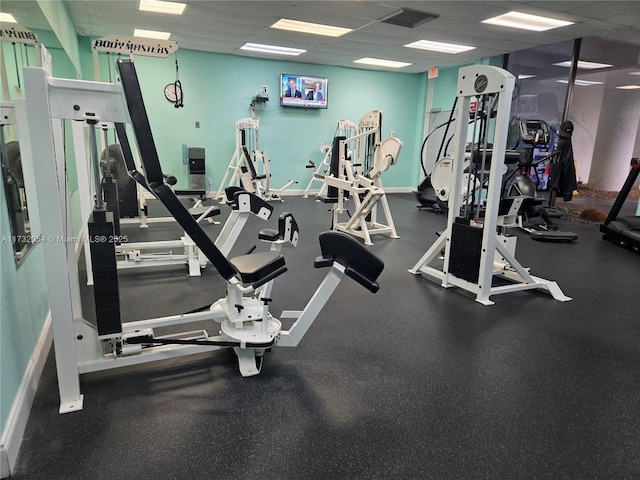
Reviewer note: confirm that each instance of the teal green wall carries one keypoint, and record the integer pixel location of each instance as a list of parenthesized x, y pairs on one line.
[(24, 301), (60, 22), (218, 90)]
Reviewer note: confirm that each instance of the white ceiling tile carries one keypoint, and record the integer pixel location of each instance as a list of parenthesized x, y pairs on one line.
[(603, 10), (223, 26), (365, 10)]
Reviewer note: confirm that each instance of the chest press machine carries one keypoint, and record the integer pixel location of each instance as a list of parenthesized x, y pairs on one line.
[(358, 175), (477, 248), (243, 314)]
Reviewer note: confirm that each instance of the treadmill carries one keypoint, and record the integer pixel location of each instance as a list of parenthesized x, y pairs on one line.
[(624, 230)]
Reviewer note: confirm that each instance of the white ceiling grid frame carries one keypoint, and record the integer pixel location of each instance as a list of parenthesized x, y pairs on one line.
[(224, 26)]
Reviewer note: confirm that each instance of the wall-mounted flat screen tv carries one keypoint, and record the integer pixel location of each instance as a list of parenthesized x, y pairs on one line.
[(303, 91)]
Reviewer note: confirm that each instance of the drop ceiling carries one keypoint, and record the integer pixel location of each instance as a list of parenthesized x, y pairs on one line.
[(224, 26)]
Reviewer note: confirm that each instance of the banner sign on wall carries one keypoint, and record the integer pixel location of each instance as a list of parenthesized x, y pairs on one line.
[(150, 47), (15, 33)]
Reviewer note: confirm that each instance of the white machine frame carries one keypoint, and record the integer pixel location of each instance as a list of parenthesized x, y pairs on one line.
[(132, 254), (497, 256), (345, 128), (251, 127), (234, 175), (243, 314), (366, 188)]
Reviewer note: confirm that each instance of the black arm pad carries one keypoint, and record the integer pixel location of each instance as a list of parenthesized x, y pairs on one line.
[(366, 282), (360, 264)]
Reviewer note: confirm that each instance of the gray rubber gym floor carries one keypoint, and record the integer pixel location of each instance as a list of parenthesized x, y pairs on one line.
[(414, 382)]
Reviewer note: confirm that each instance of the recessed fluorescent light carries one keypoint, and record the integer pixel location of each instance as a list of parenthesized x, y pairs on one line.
[(7, 18), (378, 62), (312, 28), (582, 83), (634, 73), (524, 76), (138, 32), (628, 87), (584, 65), (258, 47), (526, 21), (172, 8), (439, 46)]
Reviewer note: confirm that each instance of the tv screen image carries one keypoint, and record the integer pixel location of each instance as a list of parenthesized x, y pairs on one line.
[(303, 91)]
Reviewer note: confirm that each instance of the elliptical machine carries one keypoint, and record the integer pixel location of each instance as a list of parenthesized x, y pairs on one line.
[(533, 218)]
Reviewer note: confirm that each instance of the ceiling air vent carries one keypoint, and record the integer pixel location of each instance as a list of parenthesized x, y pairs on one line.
[(409, 18)]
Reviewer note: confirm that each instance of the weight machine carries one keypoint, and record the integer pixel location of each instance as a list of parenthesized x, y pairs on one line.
[(358, 175), (249, 166), (243, 314), (345, 128), (243, 205), (476, 245)]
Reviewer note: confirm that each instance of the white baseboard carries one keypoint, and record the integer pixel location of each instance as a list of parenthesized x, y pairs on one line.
[(19, 414), (298, 192), (292, 192)]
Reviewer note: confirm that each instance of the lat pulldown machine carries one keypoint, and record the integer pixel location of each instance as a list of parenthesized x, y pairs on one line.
[(476, 247), (243, 314)]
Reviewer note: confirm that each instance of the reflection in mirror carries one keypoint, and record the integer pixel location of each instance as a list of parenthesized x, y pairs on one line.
[(16, 198)]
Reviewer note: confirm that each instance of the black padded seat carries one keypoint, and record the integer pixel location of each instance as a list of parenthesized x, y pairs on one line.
[(325, 199), (258, 268), (196, 212), (191, 193), (268, 234), (360, 264)]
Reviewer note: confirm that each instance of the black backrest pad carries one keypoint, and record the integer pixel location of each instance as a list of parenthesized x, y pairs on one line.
[(153, 171), (360, 264), (249, 162), (128, 156), (230, 192), (334, 167)]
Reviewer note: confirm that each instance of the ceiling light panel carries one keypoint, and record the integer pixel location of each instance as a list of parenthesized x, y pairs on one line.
[(258, 47), (584, 65), (157, 6), (139, 32), (634, 73), (628, 87), (311, 28), (7, 18), (379, 62), (527, 21), (439, 46), (524, 76)]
